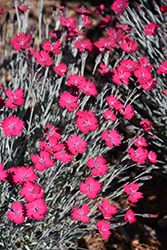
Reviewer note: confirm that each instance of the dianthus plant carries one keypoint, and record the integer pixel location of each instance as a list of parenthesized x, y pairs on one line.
[(68, 132)]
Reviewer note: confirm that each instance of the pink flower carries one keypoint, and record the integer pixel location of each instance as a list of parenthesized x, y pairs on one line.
[(18, 213), (86, 22), (163, 68), (132, 189), (23, 174), (15, 99), (105, 43), (119, 5), (107, 209), (61, 69), (121, 75), (143, 75), (91, 187), (83, 10), (151, 29), (152, 156), (105, 71), (68, 101), (75, 80), (100, 9), (21, 41), (81, 214), (43, 58), (52, 132), (113, 102), (12, 126), (127, 112), (51, 146), (143, 62), (105, 21), (146, 124), (109, 115), (148, 85), (82, 45), (87, 87), (163, 8), (130, 217), (21, 8), (76, 144), (54, 48), (141, 142), (69, 23), (43, 161), (129, 65), (140, 155), (104, 229), (31, 191), (64, 155), (3, 173), (129, 45), (86, 121), (114, 34), (111, 138), (99, 166), (36, 209)]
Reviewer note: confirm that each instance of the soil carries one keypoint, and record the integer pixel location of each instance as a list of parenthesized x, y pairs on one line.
[(146, 233)]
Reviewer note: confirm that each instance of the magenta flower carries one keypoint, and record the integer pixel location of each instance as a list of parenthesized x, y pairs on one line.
[(163, 68), (152, 157), (131, 190), (99, 166), (151, 29), (86, 121), (109, 115), (3, 173), (36, 209), (111, 138), (146, 124), (54, 48), (23, 174), (75, 80), (83, 10), (83, 45), (18, 213), (52, 132), (43, 58), (81, 214), (119, 5), (76, 144), (141, 142), (64, 155), (61, 69), (43, 161), (130, 217), (105, 71), (113, 102), (127, 112), (107, 209), (31, 191), (12, 126), (104, 229), (87, 87), (120, 75), (140, 155), (68, 101), (100, 9), (129, 45), (129, 64), (91, 187), (21, 41), (15, 99)]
